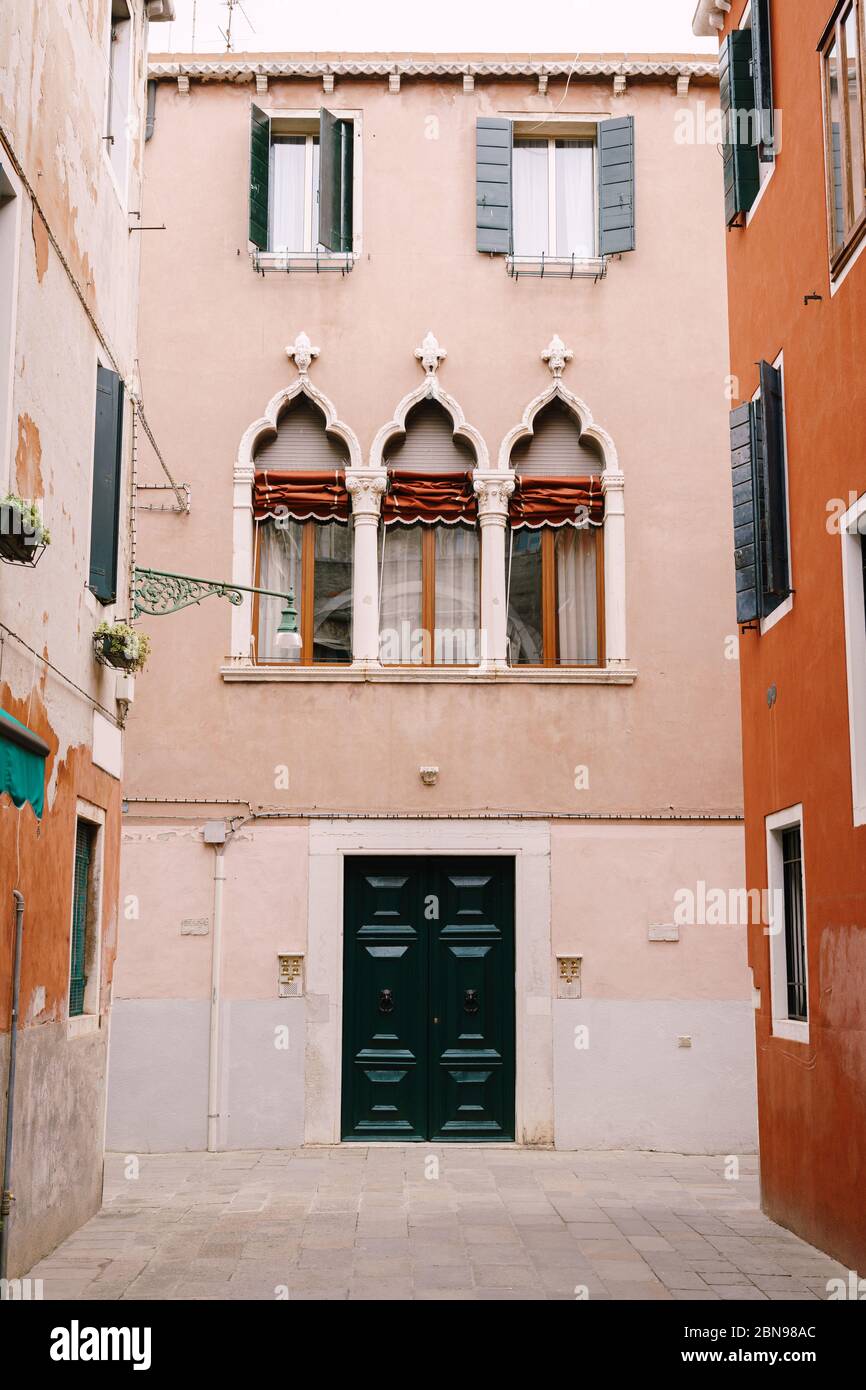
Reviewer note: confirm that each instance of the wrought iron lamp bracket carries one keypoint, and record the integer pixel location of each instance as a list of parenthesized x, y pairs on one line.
[(158, 592)]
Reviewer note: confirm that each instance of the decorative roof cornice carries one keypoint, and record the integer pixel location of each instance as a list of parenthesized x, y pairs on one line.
[(236, 68), (710, 17)]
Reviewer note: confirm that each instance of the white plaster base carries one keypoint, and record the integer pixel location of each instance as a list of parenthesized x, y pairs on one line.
[(632, 1087), (157, 1091)]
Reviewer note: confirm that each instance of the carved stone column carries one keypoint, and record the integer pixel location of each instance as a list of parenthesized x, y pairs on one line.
[(613, 487), (366, 488), (243, 569), (493, 490)]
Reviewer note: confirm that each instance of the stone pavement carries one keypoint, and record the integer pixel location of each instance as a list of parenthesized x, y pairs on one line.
[(432, 1222)]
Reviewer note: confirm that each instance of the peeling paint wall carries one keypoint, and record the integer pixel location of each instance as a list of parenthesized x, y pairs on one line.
[(68, 277)]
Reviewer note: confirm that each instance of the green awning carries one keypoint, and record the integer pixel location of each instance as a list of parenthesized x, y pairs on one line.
[(22, 763)]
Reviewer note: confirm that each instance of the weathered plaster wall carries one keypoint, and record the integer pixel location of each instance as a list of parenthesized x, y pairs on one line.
[(796, 749), (59, 296)]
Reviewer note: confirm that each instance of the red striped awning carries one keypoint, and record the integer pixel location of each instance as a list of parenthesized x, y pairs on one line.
[(298, 496)]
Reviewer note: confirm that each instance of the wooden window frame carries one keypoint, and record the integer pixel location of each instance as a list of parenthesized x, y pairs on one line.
[(549, 610), (428, 604), (835, 34), (311, 222), (521, 138), (305, 601)]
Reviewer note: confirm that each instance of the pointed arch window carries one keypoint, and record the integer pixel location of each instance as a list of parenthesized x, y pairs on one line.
[(555, 555), (303, 541), (430, 566)]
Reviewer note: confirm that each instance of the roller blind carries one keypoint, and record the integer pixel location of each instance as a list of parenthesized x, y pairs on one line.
[(301, 442), (429, 445), (556, 448)]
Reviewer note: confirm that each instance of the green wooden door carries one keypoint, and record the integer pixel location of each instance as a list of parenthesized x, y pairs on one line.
[(428, 999)]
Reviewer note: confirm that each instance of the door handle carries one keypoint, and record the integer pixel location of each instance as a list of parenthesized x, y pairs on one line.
[(386, 1001), (470, 1001)]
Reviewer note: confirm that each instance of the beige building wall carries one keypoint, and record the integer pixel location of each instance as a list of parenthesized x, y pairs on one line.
[(657, 733)]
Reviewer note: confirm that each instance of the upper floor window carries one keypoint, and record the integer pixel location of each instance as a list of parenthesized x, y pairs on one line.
[(844, 125), (555, 189), (119, 72), (429, 550), (555, 558), (789, 971), (303, 539), (554, 197), (301, 183), (106, 486)]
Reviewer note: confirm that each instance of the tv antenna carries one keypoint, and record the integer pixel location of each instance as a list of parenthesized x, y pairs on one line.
[(227, 32)]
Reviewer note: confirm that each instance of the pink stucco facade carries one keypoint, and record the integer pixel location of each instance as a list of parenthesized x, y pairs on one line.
[(615, 789)]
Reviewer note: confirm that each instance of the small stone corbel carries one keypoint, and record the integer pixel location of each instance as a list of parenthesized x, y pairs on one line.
[(183, 84), (619, 85), (302, 353), (468, 82), (327, 83), (683, 84), (556, 355), (542, 84), (430, 354), (261, 84), (393, 83)]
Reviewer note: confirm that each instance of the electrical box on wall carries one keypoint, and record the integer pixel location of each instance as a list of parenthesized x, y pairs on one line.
[(290, 977), (568, 976)]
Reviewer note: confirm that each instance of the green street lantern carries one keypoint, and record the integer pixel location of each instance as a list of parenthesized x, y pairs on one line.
[(288, 638)]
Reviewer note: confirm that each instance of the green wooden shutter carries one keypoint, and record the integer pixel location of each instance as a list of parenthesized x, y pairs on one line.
[(616, 212), (493, 185), (107, 469), (747, 558), (774, 506), (762, 73), (737, 97), (335, 182), (260, 167), (80, 902)]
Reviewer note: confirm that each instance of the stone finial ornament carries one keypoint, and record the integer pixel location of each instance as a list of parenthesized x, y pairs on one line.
[(430, 354), (556, 355), (302, 353)]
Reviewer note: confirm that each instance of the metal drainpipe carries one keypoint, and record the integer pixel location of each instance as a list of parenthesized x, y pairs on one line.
[(6, 1198), (213, 1078), (151, 111)]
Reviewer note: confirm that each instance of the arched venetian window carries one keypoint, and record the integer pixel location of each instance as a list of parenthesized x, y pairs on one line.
[(303, 542), (429, 547), (555, 557)]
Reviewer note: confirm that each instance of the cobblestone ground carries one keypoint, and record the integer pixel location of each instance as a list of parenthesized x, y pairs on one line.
[(428, 1222)]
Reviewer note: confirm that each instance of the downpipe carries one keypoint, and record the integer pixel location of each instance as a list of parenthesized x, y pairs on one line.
[(213, 1080), (6, 1196)]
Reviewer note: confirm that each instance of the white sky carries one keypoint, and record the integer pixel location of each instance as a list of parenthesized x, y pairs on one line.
[(557, 26)]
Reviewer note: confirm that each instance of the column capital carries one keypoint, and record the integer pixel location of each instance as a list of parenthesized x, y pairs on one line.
[(612, 480), (366, 487), (493, 489)]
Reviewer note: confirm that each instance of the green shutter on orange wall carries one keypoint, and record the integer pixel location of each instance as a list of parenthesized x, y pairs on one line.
[(84, 835), (742, 132)]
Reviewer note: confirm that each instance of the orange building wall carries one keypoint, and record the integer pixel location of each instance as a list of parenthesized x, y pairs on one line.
[(812, 1097)]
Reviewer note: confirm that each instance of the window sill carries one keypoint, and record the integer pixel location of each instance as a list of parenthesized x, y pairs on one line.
[(445, 675), (303, 262), (81, 1025), (791, 1030)]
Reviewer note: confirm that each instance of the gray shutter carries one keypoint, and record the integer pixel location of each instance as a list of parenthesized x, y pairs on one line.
[(107, 467), (616, 217), (260, 164), (762, 73), (774, 505), (737, 98), (493, 184), (335, 182), (747, 559)]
